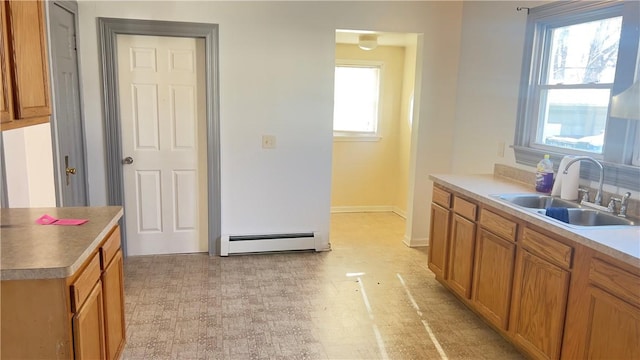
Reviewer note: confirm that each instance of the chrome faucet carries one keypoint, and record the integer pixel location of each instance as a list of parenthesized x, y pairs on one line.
[(598, 199), (623, 201)]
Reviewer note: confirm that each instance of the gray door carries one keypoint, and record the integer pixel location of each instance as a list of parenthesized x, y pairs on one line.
[(71, 167)]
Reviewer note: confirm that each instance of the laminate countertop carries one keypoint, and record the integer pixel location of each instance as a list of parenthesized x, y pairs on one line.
[(32, 251), (620, 242)]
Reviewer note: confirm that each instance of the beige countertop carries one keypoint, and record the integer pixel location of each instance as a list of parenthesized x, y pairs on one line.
[(620, 242), (32, 251)]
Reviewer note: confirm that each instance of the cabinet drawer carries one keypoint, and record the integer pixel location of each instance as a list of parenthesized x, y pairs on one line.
[(441, 197), (465, 208), (110, 247), (498, 225), (617, 281), (547, 248), (81, 288)]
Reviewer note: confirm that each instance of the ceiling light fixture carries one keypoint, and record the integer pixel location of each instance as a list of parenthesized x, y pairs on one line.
[(368, 42)]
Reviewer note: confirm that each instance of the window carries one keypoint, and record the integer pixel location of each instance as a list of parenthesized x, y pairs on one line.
[(575, 84), (356, 103), (577, 56)]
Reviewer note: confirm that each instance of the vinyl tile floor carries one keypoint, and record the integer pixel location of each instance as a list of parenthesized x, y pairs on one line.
[(371, 297)]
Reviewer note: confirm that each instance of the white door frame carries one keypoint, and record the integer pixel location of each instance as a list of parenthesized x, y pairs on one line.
[(108, 29)]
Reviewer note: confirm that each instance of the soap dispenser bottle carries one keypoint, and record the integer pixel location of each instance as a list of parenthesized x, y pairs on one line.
[(544, 175)]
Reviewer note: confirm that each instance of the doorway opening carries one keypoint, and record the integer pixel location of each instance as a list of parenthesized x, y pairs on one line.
[(373, 125)]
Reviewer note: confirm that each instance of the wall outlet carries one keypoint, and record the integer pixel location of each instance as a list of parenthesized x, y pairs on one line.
[(268, 142), (501, 149)]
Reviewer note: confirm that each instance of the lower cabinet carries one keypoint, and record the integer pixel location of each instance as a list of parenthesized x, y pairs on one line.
[(540, 292), (492, 277), (87, 305), (462, 246), (439, 232), (80, 317), (613, 327), (439, 239), (605, 322), (88, 326), (112, 285), (551, 296)]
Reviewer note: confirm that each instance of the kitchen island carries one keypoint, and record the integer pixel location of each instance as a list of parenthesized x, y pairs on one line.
[(554, 290), (62, 294)]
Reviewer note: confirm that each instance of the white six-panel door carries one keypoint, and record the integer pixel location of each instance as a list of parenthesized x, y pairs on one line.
[(161, 94)]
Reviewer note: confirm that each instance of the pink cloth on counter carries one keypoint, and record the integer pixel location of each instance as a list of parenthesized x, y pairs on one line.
[(50, 220)]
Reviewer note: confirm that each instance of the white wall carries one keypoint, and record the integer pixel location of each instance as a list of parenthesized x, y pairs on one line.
[(404, 127), (29, 167), (489, 83), (276, 77)]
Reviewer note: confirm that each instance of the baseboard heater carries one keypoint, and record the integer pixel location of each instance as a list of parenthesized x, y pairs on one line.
[(239, 244)]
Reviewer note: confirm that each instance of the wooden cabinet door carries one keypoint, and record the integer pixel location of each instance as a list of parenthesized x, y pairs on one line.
[(113, 288), (6, 108), (540, 291), (29, 61), (88, 327), (492, 277), (461, 249), (613, 327), (438, 240)]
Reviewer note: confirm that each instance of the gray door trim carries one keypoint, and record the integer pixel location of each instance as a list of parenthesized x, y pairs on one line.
[(72, 7), (108, 29)]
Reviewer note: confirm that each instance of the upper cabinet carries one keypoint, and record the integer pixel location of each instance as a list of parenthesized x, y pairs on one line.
[(24, 95)]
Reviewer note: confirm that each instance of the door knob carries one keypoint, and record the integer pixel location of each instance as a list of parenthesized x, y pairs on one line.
[(128, 160), (68, 170)]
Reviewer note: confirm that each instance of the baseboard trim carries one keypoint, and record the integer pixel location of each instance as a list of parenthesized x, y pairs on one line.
[(415, 242), (400, 212), (380, 208), (350, 209)]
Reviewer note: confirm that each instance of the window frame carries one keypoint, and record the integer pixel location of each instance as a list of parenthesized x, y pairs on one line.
[(622, 140), (363, 135)]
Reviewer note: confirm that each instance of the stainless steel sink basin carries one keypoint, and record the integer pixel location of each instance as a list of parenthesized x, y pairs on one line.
[(590, 217), (537, 201), (578, 215)]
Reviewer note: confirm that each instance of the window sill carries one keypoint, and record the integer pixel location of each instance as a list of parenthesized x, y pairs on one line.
[(356, 138)]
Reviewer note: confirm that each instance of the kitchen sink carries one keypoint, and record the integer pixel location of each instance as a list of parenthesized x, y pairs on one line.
[(578, 214), (590, 217), (537, 201)]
